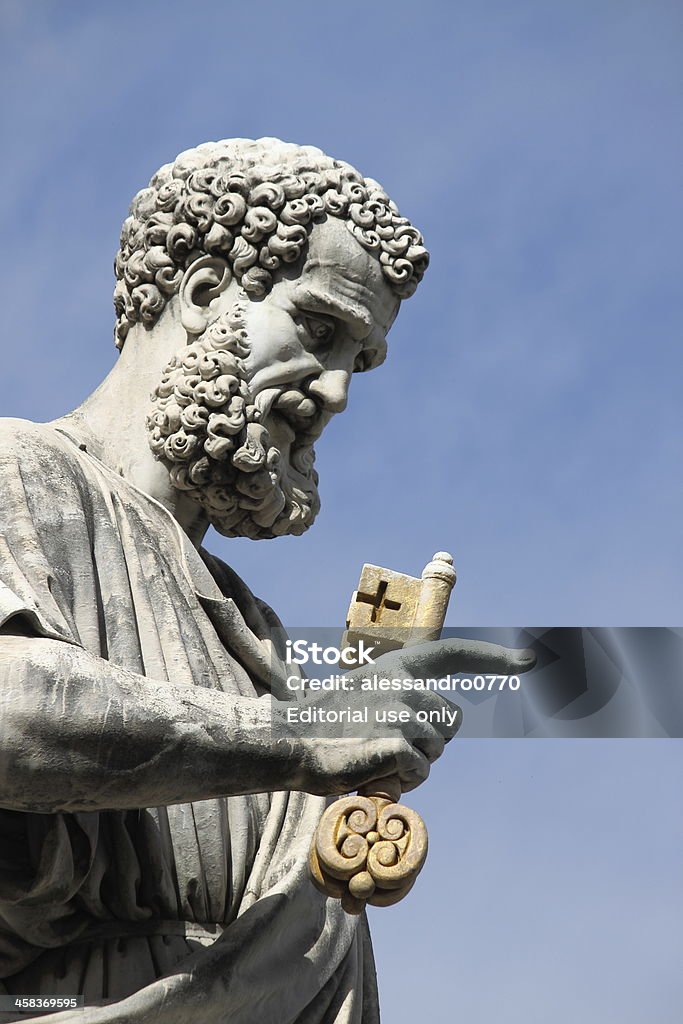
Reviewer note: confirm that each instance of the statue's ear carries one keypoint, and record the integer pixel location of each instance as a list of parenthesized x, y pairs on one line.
[(203, 281)]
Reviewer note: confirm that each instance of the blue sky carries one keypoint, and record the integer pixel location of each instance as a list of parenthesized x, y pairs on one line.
[(528, 416)]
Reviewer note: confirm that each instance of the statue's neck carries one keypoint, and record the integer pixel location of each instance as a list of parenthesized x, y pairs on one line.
[(110, 423)]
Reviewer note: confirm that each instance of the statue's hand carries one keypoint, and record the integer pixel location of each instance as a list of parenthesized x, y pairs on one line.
[(403, 743)]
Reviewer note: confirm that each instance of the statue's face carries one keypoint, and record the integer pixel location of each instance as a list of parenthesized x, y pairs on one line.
[(325, 321), (239, 410)]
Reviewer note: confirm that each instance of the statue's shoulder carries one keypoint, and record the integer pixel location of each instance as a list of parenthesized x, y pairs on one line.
[(14, 431), (35, 448)]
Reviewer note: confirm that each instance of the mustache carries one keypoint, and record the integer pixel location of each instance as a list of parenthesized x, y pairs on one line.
[(301, 410)]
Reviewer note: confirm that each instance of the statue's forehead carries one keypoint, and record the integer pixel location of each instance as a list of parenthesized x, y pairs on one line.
[(339, 268)]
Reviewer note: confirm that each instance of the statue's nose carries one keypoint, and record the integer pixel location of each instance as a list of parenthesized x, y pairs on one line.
[(331, 389)]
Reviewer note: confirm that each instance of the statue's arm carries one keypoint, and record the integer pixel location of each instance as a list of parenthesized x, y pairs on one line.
[(77, 733)]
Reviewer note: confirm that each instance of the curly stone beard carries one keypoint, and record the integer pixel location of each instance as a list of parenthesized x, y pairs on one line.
[(213, 436)]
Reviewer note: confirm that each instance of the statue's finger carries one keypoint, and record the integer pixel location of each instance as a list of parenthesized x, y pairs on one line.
[(451, 657), (411, 765), (441, 713)]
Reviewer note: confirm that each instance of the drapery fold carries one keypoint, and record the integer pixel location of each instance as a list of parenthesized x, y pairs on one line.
[(87, 559)]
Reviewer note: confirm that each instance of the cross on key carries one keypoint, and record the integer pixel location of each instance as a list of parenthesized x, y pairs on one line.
[(379, 601)]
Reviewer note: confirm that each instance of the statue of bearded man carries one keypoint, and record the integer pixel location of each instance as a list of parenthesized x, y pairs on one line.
[(154, 826)]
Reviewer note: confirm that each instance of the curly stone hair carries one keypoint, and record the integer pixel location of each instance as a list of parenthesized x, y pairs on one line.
[(253, 203)]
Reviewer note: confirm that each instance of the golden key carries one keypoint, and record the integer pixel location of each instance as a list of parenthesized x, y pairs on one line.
[(369, 848)]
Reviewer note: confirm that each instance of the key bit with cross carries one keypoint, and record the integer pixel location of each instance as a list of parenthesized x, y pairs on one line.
[(390, 609)]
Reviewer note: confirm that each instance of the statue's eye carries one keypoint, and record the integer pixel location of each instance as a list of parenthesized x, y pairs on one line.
[(320, 328)]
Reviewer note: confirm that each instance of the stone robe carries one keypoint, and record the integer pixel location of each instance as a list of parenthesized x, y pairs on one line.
[(198, 912)]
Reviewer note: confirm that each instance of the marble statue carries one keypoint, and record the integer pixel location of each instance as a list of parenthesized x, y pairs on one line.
[(154, 835)]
